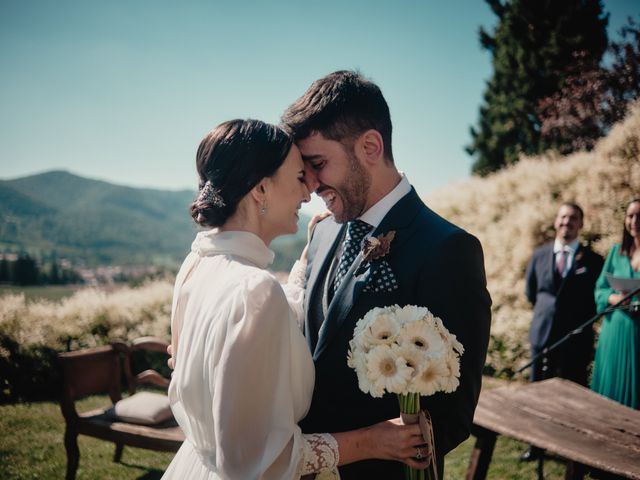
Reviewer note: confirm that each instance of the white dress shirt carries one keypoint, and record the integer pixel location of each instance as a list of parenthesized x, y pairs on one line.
[(377, 212)]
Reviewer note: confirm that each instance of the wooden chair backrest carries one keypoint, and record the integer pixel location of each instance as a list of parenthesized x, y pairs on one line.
[(87, 372), (149, 376)]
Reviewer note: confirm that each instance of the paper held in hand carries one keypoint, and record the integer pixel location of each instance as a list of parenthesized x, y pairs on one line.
[(622, 284)]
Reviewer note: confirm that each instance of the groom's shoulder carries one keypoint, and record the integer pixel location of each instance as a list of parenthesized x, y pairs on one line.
[(432, 225)]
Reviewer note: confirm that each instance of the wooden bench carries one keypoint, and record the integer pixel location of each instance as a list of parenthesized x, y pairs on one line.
[(563, 418), (100, 370)]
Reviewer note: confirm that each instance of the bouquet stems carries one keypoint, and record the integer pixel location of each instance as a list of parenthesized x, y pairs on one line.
[(410, 404)]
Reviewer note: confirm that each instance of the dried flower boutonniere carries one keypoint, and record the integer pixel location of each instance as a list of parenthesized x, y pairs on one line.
[(377, 247), (578, 256)]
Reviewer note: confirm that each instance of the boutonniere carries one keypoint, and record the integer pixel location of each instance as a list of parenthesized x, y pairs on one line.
[(377, 247), (578, 256)]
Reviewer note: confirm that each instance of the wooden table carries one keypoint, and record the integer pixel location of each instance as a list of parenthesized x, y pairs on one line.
[(563, 418)]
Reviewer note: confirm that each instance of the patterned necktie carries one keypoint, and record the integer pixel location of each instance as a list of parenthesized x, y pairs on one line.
[(356, 231)]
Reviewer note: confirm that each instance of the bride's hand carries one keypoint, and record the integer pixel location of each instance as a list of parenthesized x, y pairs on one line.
[(171, 362), (310, 227)]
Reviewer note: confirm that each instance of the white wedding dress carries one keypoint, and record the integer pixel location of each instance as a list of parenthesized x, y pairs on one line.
[(243, 373)]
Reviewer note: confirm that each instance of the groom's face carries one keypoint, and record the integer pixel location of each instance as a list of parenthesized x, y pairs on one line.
[(335, 174)]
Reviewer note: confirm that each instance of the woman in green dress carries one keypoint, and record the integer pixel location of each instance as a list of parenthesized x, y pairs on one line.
[(616, 371)]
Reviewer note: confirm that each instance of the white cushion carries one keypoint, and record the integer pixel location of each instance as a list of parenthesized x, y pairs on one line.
[(144, 408)]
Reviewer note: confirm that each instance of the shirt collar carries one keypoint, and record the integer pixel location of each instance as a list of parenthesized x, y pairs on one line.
[(377, 212), (572, 247), (238, 243)]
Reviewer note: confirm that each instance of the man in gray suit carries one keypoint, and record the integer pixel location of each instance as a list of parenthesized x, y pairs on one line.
[(560, 280)]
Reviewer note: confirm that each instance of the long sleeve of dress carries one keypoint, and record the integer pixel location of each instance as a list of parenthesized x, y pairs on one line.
[(254, 399), (294, 291), (602, 289)]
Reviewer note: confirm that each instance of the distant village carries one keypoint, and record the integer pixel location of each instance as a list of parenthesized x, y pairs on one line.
[(24, 270)]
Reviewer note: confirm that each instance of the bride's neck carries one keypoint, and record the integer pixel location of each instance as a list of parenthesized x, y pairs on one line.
[(246, 222)]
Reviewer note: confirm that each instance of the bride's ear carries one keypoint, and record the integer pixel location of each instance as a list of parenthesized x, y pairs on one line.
[(261, 191)]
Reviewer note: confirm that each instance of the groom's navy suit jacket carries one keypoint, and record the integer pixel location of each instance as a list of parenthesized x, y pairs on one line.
[(436, 265)]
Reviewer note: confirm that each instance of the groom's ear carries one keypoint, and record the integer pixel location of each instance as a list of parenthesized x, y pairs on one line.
[(371, 146)]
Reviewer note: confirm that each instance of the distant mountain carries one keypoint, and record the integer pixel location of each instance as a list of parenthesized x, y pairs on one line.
[(97, 222)]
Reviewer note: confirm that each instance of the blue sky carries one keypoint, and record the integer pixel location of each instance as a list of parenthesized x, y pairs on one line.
[(124, 90)]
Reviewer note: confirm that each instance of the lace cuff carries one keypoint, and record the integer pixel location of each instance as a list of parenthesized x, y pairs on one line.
[(297, 274), (320, 453)]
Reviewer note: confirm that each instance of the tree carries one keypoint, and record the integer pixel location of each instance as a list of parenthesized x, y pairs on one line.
[(26, 271), (593, 97), (5, 273), (533, 44)]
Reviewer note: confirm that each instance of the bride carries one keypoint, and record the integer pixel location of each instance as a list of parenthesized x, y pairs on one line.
[(244, 375)]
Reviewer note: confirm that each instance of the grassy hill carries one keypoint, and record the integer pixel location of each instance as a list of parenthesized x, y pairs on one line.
[(93, 221), (96, 222), (512, 212)]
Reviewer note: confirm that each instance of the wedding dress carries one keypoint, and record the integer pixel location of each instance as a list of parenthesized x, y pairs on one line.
[(243, 373)]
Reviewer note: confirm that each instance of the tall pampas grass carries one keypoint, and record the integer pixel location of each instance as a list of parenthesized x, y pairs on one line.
[(89, 317), (512, 212)]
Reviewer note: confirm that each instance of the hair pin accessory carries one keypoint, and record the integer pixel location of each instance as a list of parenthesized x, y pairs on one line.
[(211, 195)]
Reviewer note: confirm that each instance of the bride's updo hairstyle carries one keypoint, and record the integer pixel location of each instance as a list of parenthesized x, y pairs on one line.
[(231, 160)]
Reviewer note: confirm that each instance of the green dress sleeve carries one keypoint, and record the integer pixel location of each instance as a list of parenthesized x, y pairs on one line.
[(603, 289)]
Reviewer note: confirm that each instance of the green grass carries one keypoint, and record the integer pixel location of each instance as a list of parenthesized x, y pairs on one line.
[(31, 447), (504, 464)]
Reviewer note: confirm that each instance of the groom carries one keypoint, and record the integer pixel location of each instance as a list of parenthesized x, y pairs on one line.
[(343, 129)]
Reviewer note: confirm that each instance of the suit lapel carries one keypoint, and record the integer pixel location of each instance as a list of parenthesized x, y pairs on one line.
[(320, 263), (550, 261), (574, 265), (347, 295)]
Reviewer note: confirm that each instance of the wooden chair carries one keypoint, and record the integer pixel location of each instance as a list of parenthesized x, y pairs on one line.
[(100, 370)]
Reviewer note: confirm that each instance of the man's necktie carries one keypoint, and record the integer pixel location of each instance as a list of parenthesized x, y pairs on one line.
[(356, 231), (562, 262)]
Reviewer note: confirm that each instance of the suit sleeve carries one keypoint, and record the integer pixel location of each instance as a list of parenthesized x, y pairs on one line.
[(463, 303), (531, 281)]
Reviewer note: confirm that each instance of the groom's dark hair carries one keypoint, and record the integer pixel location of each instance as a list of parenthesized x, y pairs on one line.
[(340, 106)]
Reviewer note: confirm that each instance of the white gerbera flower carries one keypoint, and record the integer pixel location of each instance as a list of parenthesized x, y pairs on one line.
[(450, 337), (411, 313), (357, 359), (423, 337), (451, 382), (383, 330), (428, 380), (370, 316), (387, 371), (413, 357)]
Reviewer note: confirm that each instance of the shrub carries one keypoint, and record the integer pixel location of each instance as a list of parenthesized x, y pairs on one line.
[(31, 334), (512, 212)]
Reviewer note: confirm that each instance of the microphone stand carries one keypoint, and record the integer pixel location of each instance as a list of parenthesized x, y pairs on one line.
[(576, 331)]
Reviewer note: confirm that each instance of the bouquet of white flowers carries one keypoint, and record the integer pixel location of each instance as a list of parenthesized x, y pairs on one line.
[(406, 351)]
